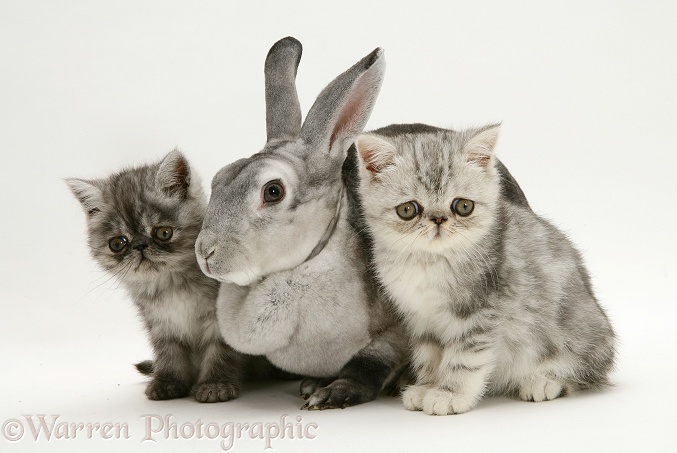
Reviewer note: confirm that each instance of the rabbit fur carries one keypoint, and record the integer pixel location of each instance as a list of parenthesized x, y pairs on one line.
[(296, 285)]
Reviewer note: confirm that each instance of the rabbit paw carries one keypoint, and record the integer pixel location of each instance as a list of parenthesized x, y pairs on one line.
[(541, 388), (340, 394), (165, 389), (310, 384), (214, 392)]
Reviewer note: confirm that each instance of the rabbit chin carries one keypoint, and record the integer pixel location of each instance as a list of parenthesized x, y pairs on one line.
[(239, 278), (251, 273)]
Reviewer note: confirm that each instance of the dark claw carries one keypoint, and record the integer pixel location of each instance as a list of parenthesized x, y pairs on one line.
[(310, 385), (340, 394)]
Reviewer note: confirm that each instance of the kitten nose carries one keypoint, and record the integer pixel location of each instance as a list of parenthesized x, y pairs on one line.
[(438, 219), (140, 247)]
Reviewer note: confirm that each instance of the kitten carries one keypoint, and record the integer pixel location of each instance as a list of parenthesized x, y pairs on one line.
[(496, 299), (142, 225)]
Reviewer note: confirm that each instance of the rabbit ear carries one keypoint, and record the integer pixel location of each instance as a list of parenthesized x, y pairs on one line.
[(173, 176), (283, 111), (87, 193), (342, 109)]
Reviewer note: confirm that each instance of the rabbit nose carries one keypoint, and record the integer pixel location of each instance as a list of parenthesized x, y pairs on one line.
[(206, 244)]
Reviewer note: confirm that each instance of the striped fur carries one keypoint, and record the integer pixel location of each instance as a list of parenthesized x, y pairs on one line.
[(496, 302), (175, 299)]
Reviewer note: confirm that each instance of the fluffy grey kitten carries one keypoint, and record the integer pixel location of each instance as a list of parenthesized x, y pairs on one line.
[(142, 225), (495, 298)]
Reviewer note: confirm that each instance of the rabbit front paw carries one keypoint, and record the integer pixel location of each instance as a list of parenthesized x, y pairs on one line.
[(340, 394), (310, 385)]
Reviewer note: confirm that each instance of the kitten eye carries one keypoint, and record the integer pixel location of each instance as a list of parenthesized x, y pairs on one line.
[(463, 206), (273, 191), (117, 244), (163, 233), (408, 210)]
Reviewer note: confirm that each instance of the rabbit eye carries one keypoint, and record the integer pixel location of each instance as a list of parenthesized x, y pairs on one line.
[(408, 210), (462, 206), (117, 244), (163, 233), (273, 191)]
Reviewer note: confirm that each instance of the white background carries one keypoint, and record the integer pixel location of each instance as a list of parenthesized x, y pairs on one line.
[(586, 91)]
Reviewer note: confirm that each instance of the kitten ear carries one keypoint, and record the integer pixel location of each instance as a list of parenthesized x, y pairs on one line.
[(375, 153), (480, 148), (173, 176), (87, 193)]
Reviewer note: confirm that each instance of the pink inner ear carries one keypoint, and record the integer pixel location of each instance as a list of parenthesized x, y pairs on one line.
[(177, 180), (480, 159), (181, 170), (375, 155), (481, 147), (370, 159), (350, 113)]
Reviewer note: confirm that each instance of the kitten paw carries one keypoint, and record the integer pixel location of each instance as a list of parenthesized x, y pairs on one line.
[(214, 392), (541, 388), (434, 401), (340, 394), (163, 389), (412, 397), (443, 402)]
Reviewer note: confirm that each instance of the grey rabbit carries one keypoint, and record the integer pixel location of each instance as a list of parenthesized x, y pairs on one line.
[(281, 236)]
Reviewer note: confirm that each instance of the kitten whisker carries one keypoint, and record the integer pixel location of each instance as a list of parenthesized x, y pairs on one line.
[(121, 275), (401, 238), (472, 259), (418, 233), (112, 275), (484, 257)]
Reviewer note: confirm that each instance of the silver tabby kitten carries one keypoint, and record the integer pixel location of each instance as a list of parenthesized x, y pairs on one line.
[(142, 225), (495, 298)]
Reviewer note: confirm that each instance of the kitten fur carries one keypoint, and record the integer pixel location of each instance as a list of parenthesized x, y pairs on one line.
[(495, 302), (175, 299)]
